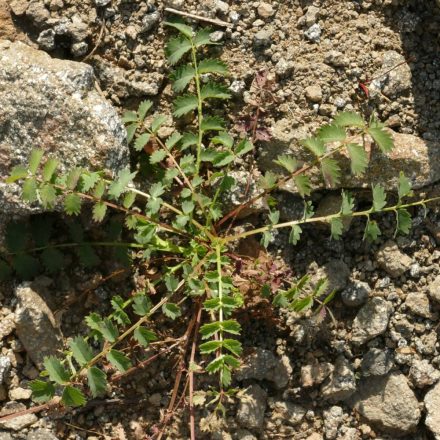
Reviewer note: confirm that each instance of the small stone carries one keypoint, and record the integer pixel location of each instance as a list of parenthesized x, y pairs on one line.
[(337, 274), (37, 12), (313, 33), (79, 49), (5, 366), (356, 294), (216, 36), (332, 420), (432, 405), (46, 39), (388, 403), (315, 374), (45, 434), (234, 16), (149, 21), (101, 3), (283, 68), (155, 399), (17, 423), (263, 364), (314, 93), (377, 362), (237, 87), (315, 436), (336, 59), (342, 383), (434, 289), (287, 412), (20, 394), (392, 260), (311, 15), (423, 374), (265, 10), (399, 79), (132, 32), (418, 303), (18, 7), (250, 413), (263, 37), (371, 320), (221, 6), (77, 29), (7, 325)]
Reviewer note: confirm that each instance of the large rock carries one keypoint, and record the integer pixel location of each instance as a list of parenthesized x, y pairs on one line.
[(52, 104), (432, 405), (388, 403), (411, 154)]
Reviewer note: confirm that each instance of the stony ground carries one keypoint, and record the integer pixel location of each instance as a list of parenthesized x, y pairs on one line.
[(370, 368)]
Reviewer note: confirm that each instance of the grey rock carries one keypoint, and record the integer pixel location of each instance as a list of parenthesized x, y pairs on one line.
[(332, 420), (101, 3), (149, 21), (250, 413), (336, 59), (341, 384), (314, 93), (418, 303), (315, 374), (37, 12), (264, 365), (52, 104), (36, 326), (46, 39), (392, 260), (79, 49), (17, 423), (76, 29), (399, 80), (434, 289), (388, 403), (221, 6), (432, 404), (313, 33), (371, 320), (283, 67), (237, 87), (356, 294), (423, 374), (311, 16), (336, 272), (263, 37), (5, 367), (7, 325), (377, 362), (216, 36), (287, 412), (41, 434)]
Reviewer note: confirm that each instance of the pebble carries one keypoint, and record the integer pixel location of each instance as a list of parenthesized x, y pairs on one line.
[(101, 3), (332, 420), (432, 405), (392, 260), (341, 384), (356, 294), (265, 10), (313, 33), (288, 412), (5, 367), (423, 374), (46, 39), (20, 393), (314, 93), (434, 289), (418, 303), (311, 15), (377, 362), (79, 49), (149, 21), (263, 37), (250, 413)]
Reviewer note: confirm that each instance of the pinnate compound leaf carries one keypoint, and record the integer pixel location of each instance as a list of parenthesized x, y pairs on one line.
[(213, 90), (203, 37), (349, 119), (89, 180), (73, 177), (347, 205), (117, 187), (183, 28), (131, 130), (212, 66), (233, 346), (210, 347), (331, 133), (372, 231), (289, 163), (73, 397), (141, 141), (295, 234), (188, 139), (379, 197), (82, 352), (158, 121), (224, 139), (49, 169), (315, 145), (144, 108), (359, 159), (243, 147), (184, 104), (171, 310), (72, 204), (18, 172), (404, 187), (382, 138), (35, 159), (176, 48), (181, 77), (42, 391), (222, 159), (144, 336), (53, 260), (29, 190), (99, 190), (336, 228), (404, 222), (331, 171), (99, 211), (97, 380), (269, 180), (129, 116), (108, 330), (48, 196), (303, 184), (212, 123), (119, 360), (129, 199), (57, 373), (141, 304)]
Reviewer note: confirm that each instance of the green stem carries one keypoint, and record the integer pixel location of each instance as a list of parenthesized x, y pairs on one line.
[(199, 108), (324, 219)]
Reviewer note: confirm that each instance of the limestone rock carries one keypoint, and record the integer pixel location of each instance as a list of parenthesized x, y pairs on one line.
[(36, 326), (52, 104), (388, 403)]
